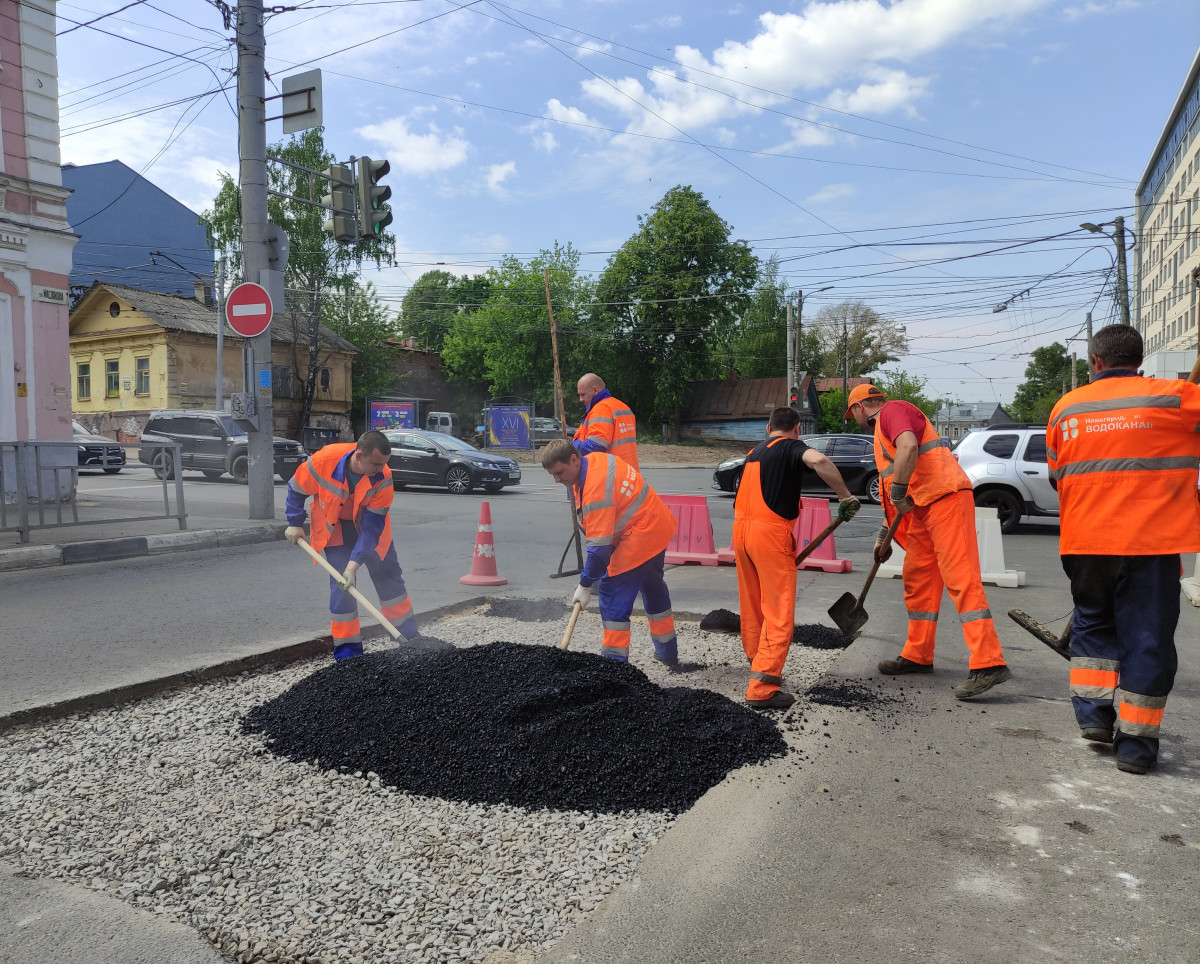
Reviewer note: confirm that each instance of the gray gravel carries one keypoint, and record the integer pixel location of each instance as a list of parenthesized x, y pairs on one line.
[(168, 806)]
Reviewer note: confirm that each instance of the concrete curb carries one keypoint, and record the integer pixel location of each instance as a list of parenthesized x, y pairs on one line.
[(130, 547), (280, 656)]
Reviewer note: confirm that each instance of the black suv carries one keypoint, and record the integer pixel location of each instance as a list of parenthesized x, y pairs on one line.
[(212, 443)]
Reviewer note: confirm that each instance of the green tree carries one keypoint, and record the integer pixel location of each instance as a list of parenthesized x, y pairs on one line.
[(1047, 379), (359, 316), (318, 267), (833, 408), (670, 298), (873, 340), (436, 298), (504, 347), (759, 344), (900, 384)]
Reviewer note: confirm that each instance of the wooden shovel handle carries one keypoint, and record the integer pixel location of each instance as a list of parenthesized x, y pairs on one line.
[(887, 541), (575, 611), (821, 537), (362, 600)]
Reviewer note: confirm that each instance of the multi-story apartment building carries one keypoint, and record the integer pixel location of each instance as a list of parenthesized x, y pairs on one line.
[(1167, 249)]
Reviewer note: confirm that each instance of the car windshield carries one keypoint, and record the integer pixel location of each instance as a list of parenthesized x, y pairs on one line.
[(79, 429), (450, 442)]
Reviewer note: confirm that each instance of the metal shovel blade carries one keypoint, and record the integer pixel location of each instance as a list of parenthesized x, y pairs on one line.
[(1060, 644), (848, 614)]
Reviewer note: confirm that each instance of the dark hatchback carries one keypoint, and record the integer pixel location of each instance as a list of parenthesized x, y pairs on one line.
[(434, 458), (854, 456), (97, 451)]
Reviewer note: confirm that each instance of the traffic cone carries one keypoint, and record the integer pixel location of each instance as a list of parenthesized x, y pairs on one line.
[(483, 563)]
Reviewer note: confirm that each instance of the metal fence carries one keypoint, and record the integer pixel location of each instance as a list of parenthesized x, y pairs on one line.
[(39, 483)]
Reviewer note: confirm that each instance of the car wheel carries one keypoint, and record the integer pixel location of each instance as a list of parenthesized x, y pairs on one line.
[(873, 490), (164, 466), (112, 470), (212, 473), (737, 482), (240, 470), (458, 480), (1007, 506)]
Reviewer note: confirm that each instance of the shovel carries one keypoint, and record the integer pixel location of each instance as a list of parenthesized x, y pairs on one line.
[(575, 611), (1060, 644), (848, 612), (363, 600)]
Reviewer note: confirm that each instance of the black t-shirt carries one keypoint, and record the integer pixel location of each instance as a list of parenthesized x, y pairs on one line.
[(781, 471)]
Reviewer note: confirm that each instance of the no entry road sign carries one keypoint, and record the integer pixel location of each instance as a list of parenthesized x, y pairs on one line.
[(248, 309)]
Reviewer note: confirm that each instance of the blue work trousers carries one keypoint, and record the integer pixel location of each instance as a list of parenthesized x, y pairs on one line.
[(388, 578), (617, 594), (1123, 658)]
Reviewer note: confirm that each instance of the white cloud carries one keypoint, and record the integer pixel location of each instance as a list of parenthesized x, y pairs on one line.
[(883, 91), (545, 141), (1080, 11), (591, 48), (498, 173), (556, 110), (416, 153), (832, 192)]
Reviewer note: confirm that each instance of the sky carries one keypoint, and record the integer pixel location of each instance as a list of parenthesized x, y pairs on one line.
[(933, 159)]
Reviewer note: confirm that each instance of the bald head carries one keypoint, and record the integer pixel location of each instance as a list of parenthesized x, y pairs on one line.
[(588, 386)]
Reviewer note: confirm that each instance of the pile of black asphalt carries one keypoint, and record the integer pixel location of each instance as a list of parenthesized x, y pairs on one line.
[(812, 635), (505, 723)]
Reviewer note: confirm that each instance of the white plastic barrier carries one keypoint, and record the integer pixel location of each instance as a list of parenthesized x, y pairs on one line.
[(1191, 587), (991, 554)]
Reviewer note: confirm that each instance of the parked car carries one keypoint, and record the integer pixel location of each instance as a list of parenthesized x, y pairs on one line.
[(434, 458), (445, 422), (212, 443), (854, 455), (98, 450), (547, 430), (1007, 467)]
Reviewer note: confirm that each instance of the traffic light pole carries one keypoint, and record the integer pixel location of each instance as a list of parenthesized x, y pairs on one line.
[(252, 143)]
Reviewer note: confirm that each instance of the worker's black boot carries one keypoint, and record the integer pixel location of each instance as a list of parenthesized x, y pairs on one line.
[(899, 666), (779, 700)]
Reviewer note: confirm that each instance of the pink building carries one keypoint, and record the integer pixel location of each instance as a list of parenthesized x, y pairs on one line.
[(35, 238)]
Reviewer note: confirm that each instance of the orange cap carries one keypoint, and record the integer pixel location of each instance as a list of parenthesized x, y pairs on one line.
[(860, 393)]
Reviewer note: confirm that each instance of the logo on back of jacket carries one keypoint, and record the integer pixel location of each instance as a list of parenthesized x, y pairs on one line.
[(1107, 423)]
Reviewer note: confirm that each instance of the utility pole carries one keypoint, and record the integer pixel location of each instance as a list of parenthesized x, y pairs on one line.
[(220, 293), (252, 138), (1074, 375), (1122, 280), (846, 370), (1091, 368), (791, 347)]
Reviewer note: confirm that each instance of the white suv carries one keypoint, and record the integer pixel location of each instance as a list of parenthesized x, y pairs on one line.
[(1007, 466)]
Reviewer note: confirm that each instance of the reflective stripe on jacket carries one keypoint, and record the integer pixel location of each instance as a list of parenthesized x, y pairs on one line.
[(608, 426), (619, 512), (1124, 452), (936, 473), (323, 476)]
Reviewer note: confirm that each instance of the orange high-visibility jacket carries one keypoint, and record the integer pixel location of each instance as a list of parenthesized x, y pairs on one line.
[(618, 508), (609, 424), (936, 473), (1124, 452), (323, 476)]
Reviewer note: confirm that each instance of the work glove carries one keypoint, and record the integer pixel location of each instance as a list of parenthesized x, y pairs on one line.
[(583, 595), (346, 583), (294, 534), (883, 546), (848, 508), (900, 499)]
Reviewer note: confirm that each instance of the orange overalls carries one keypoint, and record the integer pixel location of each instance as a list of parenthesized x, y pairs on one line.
[(765, 547), (609, 426), (941, 549)]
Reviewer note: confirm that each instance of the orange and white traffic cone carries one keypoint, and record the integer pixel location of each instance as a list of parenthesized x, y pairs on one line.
[(483, 563)]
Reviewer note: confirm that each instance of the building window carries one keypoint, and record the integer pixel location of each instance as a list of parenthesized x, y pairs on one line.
[(142, 386), (112, 379), (281, 381), (84, 383)]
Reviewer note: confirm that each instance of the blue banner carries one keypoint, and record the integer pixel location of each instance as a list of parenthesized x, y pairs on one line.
[(508, 427), (386, 415)]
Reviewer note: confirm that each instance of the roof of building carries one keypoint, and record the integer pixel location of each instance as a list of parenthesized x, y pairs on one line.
[(737, 398), (177, 313)]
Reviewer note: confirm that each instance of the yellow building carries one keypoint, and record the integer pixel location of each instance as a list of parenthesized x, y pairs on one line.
[(134, 352)]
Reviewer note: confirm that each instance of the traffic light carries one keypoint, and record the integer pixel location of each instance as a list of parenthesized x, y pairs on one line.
[(794, 398), (340, 202), (374, 213)]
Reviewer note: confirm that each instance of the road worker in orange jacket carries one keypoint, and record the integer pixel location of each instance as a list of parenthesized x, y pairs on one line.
[(608, 426), (628, 529), (922, 482), (1123, 453), (351, 488), (764, 517)]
